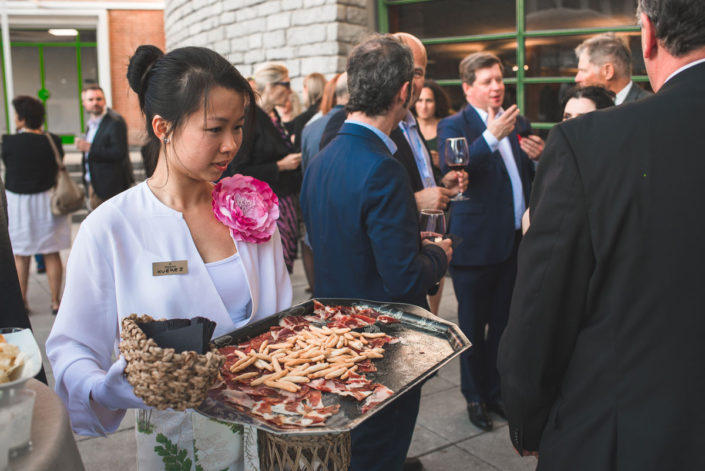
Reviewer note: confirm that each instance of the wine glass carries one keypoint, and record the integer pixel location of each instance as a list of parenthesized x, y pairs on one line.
[(433, 220), (456, 154)]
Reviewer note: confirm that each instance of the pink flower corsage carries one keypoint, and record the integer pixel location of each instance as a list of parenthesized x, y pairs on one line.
[(247, 206)]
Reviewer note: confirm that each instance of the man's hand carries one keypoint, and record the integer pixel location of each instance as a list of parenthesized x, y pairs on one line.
[(83, 145), (290, 162), (502, 126), (457, 182), (433, 198), (533, 146), (445, 244)]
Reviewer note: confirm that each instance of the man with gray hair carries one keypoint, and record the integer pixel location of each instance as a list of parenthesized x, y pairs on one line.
[(606, 61), (602, 358), (362, 222)]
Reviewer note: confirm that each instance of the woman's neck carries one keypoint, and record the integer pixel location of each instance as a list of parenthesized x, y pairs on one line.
[(428, 126), (177, 190), (33, 131)]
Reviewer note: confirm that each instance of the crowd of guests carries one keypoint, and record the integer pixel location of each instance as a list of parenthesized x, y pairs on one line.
[(574, 263)]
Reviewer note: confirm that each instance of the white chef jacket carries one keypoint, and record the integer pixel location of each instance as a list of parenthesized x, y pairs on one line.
[(109, 276)]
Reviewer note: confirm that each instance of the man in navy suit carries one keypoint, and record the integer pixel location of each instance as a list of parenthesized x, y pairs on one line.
[(361, 216), (500, 173)]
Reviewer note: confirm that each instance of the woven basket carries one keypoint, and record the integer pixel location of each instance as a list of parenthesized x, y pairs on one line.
[(329, 452), (162, 378)]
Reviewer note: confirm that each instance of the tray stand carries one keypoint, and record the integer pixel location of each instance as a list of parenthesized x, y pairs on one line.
[(329, 452)]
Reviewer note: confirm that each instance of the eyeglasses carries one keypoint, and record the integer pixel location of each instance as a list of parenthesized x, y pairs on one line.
[(283, 84)]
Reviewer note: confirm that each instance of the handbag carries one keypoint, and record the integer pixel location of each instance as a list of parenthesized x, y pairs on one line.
[(68, 197)]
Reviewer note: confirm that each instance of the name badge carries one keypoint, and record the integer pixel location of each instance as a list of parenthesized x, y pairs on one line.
[(176, 267)]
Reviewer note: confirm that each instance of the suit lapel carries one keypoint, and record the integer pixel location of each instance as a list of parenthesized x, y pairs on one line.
[(102, 126)]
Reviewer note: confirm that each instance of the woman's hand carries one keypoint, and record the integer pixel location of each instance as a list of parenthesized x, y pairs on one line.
[(114, 392), (290, 162)]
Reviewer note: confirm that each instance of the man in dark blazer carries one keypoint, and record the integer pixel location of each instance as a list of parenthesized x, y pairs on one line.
[(106, 162), (602, 358), (500, 173), (361, 217), (606, 61)]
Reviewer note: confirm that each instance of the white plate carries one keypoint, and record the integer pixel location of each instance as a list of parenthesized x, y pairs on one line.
[(24, 339)]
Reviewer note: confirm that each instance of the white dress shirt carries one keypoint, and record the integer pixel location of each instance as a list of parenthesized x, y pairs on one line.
[(505, 150)]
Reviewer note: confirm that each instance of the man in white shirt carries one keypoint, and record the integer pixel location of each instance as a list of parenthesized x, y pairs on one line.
[(106, 163), (605, 60), (500, 172)]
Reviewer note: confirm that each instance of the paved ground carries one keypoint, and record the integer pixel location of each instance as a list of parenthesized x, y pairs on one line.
[(444, 439)]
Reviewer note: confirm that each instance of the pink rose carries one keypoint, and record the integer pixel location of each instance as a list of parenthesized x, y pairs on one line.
[(247, 206)]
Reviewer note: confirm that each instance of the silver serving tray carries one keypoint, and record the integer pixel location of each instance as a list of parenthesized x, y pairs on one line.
[(426, 344)]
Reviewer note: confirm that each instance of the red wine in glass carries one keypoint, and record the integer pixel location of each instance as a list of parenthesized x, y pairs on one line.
[(456, 155)]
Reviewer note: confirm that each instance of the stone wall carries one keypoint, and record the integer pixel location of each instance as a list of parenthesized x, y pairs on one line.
[(305, 35)]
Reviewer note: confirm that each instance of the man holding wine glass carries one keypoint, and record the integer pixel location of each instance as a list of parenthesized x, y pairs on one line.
[(361, 217), (484, 139)]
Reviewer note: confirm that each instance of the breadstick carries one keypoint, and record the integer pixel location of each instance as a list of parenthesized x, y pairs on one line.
[(285, 385), (296, 379), (375, 335), (347, 373), (249, 375), (270, 377), (336, 373), (242, 364), (263, 346)]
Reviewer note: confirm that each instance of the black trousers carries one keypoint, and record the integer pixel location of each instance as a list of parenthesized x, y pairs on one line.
[(484, 295)]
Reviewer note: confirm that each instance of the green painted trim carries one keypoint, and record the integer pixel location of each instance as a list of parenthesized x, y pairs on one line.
[(521, 53), (542, 125), (79, 77), (42, 80), (4, 87), (579, 31), (469, 39), (382, 17), (68, 139)]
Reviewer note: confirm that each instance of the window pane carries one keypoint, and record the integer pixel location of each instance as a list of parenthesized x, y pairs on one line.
[(39, 35), (4, 125), (25, 71), (443, 59), (555, 57), (564, 14), (62, 83), (444, 18), (543, 102), (89, 66), (87, 35)]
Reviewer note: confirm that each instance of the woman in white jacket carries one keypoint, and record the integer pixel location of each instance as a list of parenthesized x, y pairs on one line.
[(195, 105)]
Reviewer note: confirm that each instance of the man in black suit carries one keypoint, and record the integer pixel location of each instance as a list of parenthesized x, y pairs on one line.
[(500, 174), (106, 162), (605, 60), (602, 358)]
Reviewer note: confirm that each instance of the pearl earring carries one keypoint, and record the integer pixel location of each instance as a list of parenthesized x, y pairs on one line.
[(165, 140)]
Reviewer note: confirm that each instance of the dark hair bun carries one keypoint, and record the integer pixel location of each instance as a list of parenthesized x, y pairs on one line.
[(140, 65)]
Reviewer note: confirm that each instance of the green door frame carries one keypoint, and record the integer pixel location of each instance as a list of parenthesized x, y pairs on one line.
[(77, 44), (520, 36)]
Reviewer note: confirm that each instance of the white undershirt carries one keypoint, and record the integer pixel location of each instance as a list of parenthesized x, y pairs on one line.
[(229, 278)]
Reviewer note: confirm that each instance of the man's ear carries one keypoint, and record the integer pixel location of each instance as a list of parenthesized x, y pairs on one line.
[(405, 93), (160, 126), (607, 71), (649, 42)]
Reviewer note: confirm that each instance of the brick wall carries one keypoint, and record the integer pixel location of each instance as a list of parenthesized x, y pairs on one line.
[(128, 30), (305, 35)]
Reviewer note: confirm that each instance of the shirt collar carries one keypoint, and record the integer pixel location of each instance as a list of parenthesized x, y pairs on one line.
[(96, 121), (409, 121), (484, 115), (386, 139), (686, 66), (622, 94)]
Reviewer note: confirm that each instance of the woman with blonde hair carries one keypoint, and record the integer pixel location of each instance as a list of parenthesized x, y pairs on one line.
[(271, 156)]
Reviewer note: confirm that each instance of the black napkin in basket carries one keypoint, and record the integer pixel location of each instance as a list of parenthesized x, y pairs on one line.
[(181, 334)]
